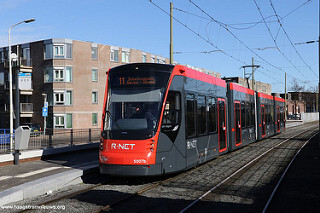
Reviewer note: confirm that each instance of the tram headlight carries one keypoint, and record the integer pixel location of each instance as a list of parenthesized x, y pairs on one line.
[(103, 159), (101, 144)]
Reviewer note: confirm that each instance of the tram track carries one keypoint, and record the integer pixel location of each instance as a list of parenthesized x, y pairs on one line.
[(212, 194), (217, 166)]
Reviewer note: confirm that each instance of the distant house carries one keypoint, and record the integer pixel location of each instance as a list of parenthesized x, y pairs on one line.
[(298, 102)]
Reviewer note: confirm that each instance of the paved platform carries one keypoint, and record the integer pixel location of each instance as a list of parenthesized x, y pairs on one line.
[(30, 179)]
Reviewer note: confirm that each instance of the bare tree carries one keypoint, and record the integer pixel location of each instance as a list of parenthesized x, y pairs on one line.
[(296, 95), (296, 87)]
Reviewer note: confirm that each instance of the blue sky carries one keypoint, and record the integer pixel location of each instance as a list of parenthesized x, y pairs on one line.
[(233, 30)]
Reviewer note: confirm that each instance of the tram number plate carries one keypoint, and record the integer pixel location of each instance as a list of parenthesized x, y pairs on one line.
[(139, 161)]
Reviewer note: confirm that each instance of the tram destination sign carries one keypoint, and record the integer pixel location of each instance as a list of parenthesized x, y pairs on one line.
[(137, 81)]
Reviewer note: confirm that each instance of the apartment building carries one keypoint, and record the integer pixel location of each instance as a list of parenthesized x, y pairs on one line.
[(69, 75)]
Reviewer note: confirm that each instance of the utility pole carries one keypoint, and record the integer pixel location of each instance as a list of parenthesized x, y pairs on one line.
[(171, 45), (253, 68), (252, 73), (285, 95)]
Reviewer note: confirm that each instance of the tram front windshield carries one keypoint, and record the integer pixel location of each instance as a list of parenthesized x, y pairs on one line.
[(134, 103)]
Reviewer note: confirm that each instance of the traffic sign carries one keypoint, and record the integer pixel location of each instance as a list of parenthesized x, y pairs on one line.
[(44, 111)]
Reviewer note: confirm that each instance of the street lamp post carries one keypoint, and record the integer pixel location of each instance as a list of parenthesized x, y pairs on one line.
[(10, 83)]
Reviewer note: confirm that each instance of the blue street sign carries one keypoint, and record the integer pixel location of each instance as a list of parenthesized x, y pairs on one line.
[(44, 111)]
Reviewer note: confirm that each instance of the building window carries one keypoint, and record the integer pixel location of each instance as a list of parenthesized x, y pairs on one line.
[(58, 97), (58, 74), (48, 77), (58, 51), (58, 121), (68, 50), (144, 58), (69, 121), (94, 53), (94, 97), (2, 56), (26, 60), (94, 74), (48, 51), (153, 59), (125, 56), (114, 55), (62, 121), (62, 97), (94, 118), (68, 75), (68, 98)]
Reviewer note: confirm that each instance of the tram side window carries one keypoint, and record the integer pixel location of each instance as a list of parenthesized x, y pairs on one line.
[(253, 114), (272, 114), (243, 114), (190, 115), (212, 117), (171, 118), (201, 114), (281, 114), (268, 114), (171, 115), (248, 111)]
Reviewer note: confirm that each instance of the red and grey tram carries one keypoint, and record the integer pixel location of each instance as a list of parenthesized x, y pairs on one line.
[(159, 119)]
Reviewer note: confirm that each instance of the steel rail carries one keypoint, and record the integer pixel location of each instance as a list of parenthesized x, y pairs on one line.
[(285, 172), (239, 170)]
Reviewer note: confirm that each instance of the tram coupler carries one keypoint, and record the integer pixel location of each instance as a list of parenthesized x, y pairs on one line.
[(16, 157)]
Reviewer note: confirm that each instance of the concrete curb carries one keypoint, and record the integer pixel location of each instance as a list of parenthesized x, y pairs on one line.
[(44, 185), (47, 151)]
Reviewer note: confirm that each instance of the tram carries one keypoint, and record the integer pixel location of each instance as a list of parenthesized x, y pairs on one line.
[(160, 119)]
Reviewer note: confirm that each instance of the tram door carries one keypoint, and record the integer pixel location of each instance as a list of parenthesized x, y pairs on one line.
[(263, 121), (237, 122), (278, 119), (222, 127)]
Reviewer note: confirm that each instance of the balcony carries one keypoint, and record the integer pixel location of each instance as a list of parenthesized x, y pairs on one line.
[(21, 63), (26, 107)]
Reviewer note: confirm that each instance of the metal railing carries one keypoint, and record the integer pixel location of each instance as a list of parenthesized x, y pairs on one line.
[(54, 138)]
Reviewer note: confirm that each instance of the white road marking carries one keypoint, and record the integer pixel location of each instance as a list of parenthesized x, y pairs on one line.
[(5, 177), (37, 172)]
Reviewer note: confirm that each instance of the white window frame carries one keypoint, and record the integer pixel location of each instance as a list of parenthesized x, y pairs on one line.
[(125, 55), (112, 53), (59, 78), (61, 121), (61, 51), (58, 97), (144, 57)]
